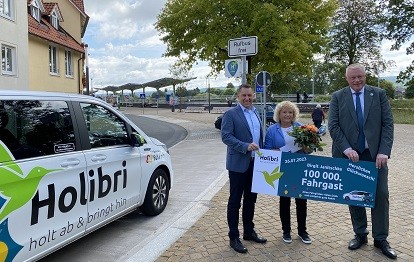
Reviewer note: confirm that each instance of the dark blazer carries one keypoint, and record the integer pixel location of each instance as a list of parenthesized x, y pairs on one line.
[(378, 122), (235, 133)]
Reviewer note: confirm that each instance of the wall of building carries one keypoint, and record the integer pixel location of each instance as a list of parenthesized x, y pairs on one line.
[(40, 78), (71, 17), (15, 33)]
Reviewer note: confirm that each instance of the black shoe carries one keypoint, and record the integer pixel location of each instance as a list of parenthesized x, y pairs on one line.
[(305, 237), (255, 237), (287, 238), (237, 245), (357, 242), (385, 248)]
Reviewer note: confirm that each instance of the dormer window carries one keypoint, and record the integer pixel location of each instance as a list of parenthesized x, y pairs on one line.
[(35, 10), (54, 20)]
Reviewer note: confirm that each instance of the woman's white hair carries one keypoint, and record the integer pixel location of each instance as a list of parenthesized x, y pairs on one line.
[(288, 105)]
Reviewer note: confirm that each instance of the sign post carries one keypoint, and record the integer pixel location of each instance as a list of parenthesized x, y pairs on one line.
[(242, 47), (263, 79), (142, 96)]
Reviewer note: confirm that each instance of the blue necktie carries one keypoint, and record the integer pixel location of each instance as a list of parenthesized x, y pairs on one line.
[(360, 118)]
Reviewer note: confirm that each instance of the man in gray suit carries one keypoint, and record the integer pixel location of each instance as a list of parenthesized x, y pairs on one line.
[(241, 131), (361, 126)]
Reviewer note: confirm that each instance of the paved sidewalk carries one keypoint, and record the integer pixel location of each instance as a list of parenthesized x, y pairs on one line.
[(329, 224)]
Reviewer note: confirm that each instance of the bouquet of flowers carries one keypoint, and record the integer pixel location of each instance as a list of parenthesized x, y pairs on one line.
[(307, 137)]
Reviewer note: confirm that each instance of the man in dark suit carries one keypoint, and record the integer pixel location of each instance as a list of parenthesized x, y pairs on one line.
[(368, 138), (241, 131)]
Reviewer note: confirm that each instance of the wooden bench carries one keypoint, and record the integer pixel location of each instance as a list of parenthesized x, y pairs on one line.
[(219, 110), (194, 109)]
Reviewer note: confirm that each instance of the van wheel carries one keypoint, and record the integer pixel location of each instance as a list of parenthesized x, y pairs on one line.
[(347, 198), (156, 197)]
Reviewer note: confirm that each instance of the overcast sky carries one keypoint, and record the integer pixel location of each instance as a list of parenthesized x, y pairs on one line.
[(124, 46)]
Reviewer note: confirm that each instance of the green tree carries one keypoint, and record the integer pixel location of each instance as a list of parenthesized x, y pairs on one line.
[(357, 31), (159, 92), (329, 77), (289, 32), (216, 91), (194, 92), (181, 91), (229, 91), (389, 87), (409, 91), (401, 29), (384, 84), (230, 85)]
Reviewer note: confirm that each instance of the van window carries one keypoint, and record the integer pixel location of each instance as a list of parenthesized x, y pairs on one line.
[(31, 128), (104, 127)]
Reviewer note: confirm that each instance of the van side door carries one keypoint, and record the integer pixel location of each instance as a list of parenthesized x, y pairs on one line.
[(114, 165)]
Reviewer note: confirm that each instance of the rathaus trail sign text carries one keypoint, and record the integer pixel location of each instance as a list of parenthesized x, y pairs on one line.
[(244, 46)]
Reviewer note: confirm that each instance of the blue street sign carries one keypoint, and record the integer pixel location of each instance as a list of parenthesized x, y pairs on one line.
[(142, 96), (259, 89)]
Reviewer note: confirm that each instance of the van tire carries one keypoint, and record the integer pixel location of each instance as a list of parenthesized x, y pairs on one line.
[(156, 197)]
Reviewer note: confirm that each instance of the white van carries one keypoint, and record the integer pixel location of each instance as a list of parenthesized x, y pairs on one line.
[(70, 164)]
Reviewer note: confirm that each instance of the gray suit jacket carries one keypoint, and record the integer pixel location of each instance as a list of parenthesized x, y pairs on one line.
[(378, 122), (235, 133)]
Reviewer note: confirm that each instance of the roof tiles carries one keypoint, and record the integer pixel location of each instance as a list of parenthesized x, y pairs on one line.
[(46, 31)]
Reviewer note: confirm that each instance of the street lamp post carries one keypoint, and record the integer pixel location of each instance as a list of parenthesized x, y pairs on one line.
[(208, 90), (87, 68), (313, 84), (378, 76)]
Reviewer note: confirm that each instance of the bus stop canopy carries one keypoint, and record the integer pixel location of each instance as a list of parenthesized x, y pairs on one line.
[(157, 84), (166, 81)]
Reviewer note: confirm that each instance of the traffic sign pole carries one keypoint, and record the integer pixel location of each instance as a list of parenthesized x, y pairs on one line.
[(263, 79), (264, 102), (244, 74)]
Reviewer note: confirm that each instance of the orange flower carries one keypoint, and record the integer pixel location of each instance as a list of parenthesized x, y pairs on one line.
[(307, 137)]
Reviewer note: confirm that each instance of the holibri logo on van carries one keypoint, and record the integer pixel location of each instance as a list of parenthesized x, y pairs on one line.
[(16, 189)]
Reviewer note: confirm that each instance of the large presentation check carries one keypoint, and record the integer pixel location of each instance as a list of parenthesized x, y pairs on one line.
[(336, 180)]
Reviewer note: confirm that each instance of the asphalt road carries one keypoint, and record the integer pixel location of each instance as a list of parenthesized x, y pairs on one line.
[(112, 241), (169, 134)]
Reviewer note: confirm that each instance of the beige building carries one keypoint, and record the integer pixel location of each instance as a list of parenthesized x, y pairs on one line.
[(41, 43), (56, 53), (14, 72)]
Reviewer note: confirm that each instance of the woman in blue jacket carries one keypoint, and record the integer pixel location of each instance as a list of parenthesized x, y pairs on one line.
[(278, 138)]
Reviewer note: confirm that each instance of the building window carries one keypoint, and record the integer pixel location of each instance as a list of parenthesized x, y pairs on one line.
[(8, 60), (35, 10), (6, 8), (68, 63), (54, 20), (53, 60)]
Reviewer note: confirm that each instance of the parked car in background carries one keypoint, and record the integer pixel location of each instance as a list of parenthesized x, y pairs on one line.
[(358, 196), (270, 108), (70, 164)]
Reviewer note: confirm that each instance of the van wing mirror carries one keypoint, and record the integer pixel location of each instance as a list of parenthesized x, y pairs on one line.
[(137, 139)]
